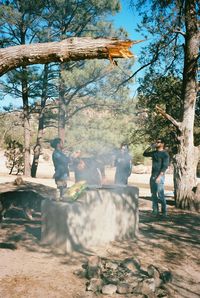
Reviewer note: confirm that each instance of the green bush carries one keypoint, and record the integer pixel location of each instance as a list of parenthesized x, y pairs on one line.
[(14, 155)]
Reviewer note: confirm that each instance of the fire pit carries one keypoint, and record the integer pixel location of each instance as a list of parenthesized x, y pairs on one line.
[(100, 215)]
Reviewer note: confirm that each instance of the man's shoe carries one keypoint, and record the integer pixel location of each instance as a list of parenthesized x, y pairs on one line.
[(154, 212), (164, 215)]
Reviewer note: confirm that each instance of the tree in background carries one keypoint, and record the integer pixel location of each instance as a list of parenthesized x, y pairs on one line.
[(96, 131), (157, 90), (20, 25), (174, 51), (99, 131), (14, 155), (69, 19), (76, 84)]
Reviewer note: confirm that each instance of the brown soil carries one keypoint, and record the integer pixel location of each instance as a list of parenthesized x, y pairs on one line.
[(30, 270)]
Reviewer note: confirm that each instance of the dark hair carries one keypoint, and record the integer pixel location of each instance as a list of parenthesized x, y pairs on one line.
[(124, 145), (55, 142), (162, 140)]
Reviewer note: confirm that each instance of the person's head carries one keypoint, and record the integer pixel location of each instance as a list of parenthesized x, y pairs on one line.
[(76, 154), (160, 143), (81, 165), (57, 143), (124, 148)]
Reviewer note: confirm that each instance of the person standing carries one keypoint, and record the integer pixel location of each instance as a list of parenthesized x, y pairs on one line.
[(123, 163), (160, 163), (87, 169), (61, 165)]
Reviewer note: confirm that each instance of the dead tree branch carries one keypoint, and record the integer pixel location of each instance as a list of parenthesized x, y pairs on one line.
[(168, 117), (71, 49)]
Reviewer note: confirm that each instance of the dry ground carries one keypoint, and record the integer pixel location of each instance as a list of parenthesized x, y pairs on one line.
[(30, 270)]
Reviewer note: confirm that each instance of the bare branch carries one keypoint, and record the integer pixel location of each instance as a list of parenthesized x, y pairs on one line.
[(168, 117), (179, 32), (153, 60)]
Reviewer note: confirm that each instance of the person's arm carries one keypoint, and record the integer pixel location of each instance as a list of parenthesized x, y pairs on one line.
[(149, 151), (131, 166), (117, 160)]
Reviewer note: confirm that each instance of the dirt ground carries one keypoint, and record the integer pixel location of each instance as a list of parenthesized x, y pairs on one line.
[(31, 270)]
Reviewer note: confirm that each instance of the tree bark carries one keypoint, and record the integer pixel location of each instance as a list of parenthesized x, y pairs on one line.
[(188, 155), (187, 195), (62, 106), (38, 146), (27, 128), (69, 49), (187, 191)]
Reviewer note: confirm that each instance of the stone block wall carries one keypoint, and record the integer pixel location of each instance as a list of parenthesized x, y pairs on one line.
[(98, 217)]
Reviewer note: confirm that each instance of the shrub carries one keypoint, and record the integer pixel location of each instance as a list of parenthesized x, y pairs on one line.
[(14, 155)]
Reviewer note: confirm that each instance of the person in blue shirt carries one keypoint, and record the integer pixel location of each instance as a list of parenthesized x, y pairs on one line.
[(61, 165), (160, 163), (123, 164)]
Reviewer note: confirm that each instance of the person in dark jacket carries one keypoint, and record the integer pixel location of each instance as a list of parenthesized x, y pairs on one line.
[(61, 165), (87, 169), (160, 163), (123, 163)]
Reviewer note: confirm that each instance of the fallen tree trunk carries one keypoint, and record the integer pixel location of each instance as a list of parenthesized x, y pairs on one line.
[(67, 50)]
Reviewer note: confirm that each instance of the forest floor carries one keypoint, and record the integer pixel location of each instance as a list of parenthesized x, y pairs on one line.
[(30, 270)]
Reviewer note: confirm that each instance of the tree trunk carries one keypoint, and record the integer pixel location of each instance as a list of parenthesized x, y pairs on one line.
[(27, 128), (77, 48), (62, 107), (38, 147), (187, 195), (186, 190)]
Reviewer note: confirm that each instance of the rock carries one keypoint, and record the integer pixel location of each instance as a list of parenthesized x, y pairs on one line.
[(92, 272), (79, 272), (109, 289), (126, 278), (111, 265), (161, 292), (132, 264), (94, 285), (146, 287), (93, 267), (166, 276), (18, 181), (133, 281), (110, 279), (94, 261), (124, 288), (154, 273)]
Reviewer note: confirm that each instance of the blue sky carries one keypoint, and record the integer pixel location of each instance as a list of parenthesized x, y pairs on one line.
[(128, 19)]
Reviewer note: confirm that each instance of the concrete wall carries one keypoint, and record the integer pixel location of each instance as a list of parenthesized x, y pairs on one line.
[(98, 217)]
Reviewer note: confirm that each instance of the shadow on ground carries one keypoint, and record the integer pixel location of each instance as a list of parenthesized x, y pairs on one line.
[(171, 243)]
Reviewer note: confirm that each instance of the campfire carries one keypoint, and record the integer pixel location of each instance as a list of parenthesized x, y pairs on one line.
[(124, 277)]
